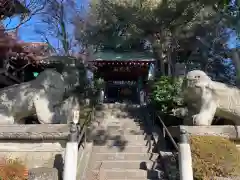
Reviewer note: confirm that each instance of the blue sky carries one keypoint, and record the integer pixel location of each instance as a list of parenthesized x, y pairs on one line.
[(27, 30), (233, 41)]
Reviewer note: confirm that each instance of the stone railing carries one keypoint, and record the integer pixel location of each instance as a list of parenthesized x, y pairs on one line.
[(231, 132), (39, 146)]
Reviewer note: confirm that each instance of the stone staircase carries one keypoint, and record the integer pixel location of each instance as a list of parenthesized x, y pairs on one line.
[(121, 146)]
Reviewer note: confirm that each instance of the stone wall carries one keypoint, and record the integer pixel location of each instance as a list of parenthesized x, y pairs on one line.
[(38, 145), (231, 132)]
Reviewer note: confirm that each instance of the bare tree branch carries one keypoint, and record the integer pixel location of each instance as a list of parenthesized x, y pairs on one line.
[(35, 9), (55, 22)]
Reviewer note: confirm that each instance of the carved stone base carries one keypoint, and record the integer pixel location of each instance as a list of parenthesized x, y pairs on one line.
[(43, 173), (35, 145)]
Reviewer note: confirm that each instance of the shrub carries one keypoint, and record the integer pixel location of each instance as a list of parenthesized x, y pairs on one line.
[(214, 156), (12, 169), (165, 94), (84, 114)]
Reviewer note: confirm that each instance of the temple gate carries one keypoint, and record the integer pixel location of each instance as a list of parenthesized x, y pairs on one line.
[(126, 75)]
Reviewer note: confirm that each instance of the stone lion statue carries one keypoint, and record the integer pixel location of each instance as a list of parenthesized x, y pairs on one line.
[(43, 96), (206, 98)]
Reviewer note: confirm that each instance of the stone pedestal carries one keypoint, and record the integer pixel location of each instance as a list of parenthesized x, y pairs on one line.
[(43, 173), (35, 145)]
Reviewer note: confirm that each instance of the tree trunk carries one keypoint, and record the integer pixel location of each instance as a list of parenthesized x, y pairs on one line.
[(236, 62), (158, 54), (159, 63)]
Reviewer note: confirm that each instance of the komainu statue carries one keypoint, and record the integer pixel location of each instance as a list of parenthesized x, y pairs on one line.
[(43, 96), (206, 98)]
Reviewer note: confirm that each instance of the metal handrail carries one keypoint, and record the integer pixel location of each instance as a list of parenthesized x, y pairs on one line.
[(83, 129), (174, 158), (165, 129), (153, 115)]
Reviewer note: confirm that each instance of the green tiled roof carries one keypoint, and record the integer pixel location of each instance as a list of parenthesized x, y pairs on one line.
[(125, 56)]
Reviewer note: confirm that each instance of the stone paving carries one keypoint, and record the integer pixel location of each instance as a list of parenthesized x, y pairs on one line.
[(120, 150)]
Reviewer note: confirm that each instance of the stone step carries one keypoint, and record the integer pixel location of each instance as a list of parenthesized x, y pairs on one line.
[(117, 123), (121, 111), (118, 140), (120, 106), (127, 130), (99, 116), (129, 117), (128, 123), (101, 136), (135, 126), (127, 174), (128, 137), (121, 164), (126, 126), (129, 126), (112, 130), (114, 149), (131, 121), (123, 156)]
